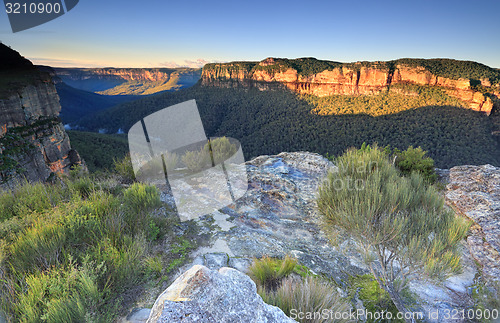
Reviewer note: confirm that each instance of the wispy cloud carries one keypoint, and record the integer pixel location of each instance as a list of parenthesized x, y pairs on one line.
[(200, 62), (56, 62)]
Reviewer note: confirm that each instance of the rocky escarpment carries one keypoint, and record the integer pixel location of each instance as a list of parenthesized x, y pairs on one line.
[(475, 192), (103, 79), (278, 217), (33, 143), (324, 78), (127, 74)]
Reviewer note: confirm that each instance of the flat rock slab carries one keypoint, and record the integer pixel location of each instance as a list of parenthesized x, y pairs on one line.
[(278, 216)]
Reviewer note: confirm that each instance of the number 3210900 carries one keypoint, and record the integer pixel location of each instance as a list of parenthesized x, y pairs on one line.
[(32, 8)]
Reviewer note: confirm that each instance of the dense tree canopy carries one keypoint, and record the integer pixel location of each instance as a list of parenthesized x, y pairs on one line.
[(269, 122)]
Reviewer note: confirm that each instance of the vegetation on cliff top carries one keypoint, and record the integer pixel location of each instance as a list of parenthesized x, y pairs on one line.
[(16, 72), (82, 250), (454, 69), (449, 68), (294, 289), (401, 224)]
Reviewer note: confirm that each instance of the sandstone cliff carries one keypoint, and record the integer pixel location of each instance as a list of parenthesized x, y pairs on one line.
[(324, 78), (103, 80), (33, 143)]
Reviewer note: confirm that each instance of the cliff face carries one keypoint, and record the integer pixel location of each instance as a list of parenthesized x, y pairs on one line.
[(33, 143), (103, 79), (127, 74), (347, 79)]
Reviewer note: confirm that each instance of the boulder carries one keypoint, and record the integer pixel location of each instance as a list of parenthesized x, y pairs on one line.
[(205, 295)]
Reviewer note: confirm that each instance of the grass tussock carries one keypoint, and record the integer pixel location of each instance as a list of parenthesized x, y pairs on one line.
[(69, 250), (291, 287)]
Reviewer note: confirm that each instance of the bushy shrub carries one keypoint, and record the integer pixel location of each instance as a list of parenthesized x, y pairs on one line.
[(68, 252), (153, 266), (123, 168), (221, 149), (197, 160), (216, 151), (306, 295), (141, 198), (393, 219), (415, 160), (69, 294), (268, 272), (374, 298)]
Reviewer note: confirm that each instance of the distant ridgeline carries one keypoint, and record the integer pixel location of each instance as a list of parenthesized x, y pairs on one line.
[(128, 81), (33, 143)]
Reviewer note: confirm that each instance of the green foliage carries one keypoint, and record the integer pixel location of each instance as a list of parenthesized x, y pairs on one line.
[(393, 218), (399, 98), (69, 250), (270, 122), (154, 231), (197, 160), (70, 294), (374, 298), (454, 69), (180, 249), (415, 160), (214, 152), (156, 166), (141, 198), (153, 266), (307, 295), (268, 272), (99, 150), (123, 168), (220, 149)]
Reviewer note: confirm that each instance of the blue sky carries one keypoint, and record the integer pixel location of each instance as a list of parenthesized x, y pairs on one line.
[(156, 33)]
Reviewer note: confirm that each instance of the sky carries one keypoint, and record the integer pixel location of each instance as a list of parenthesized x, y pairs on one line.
[(164, 33)]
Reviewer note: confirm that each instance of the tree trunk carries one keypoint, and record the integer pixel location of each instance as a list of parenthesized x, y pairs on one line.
[(400, 305)]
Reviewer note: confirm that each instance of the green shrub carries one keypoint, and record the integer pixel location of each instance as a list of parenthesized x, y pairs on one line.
[(67, 294), (53, 235), (221, 149), (268, 272), (29, 198), (392, 218), (197, 160), (123, 168), (415, 160), (123, 261), (306, 295), (374, 298), (38, 248), (79, 182), (153, 266), (7, 202), (153, 231), (141, 198), (156, 167)]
